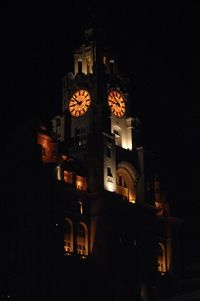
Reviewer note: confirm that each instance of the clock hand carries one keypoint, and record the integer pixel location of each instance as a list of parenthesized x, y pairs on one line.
[(112, 102), (116, 101), (77, 101)]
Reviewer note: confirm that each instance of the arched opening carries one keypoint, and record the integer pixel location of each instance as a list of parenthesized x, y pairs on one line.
[(68, 237), (82, 240), (161, 258), (58, 173), (118, 136), (126, 181)]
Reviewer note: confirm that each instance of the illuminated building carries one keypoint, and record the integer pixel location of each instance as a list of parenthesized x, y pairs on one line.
[(116, 225)]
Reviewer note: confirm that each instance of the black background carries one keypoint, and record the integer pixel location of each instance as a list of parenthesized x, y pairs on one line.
[(157, 47)]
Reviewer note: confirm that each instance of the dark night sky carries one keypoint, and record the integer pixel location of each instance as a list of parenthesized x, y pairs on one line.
[(158, 48)]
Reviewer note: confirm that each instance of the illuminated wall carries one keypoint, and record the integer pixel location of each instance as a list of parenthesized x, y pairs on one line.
[(123, 131), (48, 147)]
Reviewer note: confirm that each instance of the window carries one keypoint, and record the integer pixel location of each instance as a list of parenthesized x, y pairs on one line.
[(81, 206), (111, 66), (68, 236), (108, 151), (161, 258), (126, 180), (79, 67), (109, 172), (81, 231), (80, 136), (118, 138), (81, 183), (68, 177), (58, 173), (116, 132), (82, 240)]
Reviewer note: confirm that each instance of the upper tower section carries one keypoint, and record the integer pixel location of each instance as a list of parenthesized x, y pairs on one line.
[(92, 52), (95, 97)]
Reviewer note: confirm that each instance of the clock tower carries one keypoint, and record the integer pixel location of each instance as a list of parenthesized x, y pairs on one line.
[(114, 213)]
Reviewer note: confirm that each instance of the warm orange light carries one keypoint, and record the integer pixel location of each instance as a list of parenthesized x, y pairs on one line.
[(48, 147), (68, 177), (82, 240), (81, 183), (64, 157), (116, 103), (58, 173), (161, 258), (79, 103), (68, 237), (126, 186), (159, 206), (81, 207)]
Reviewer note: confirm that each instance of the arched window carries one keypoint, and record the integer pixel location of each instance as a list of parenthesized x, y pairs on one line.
[(161, 258), (126, 180), (58, 173), (117, 133), (82, 240), (68, 236)]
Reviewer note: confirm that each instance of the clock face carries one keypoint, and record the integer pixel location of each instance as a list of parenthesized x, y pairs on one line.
[(116, 103), (79, 103)]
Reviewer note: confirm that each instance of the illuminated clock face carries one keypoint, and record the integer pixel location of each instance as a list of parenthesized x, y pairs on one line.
[(79, 103), (116, 103)]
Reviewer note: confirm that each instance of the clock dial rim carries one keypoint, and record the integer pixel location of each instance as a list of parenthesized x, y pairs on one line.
[(116, 103), (79, 102)]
